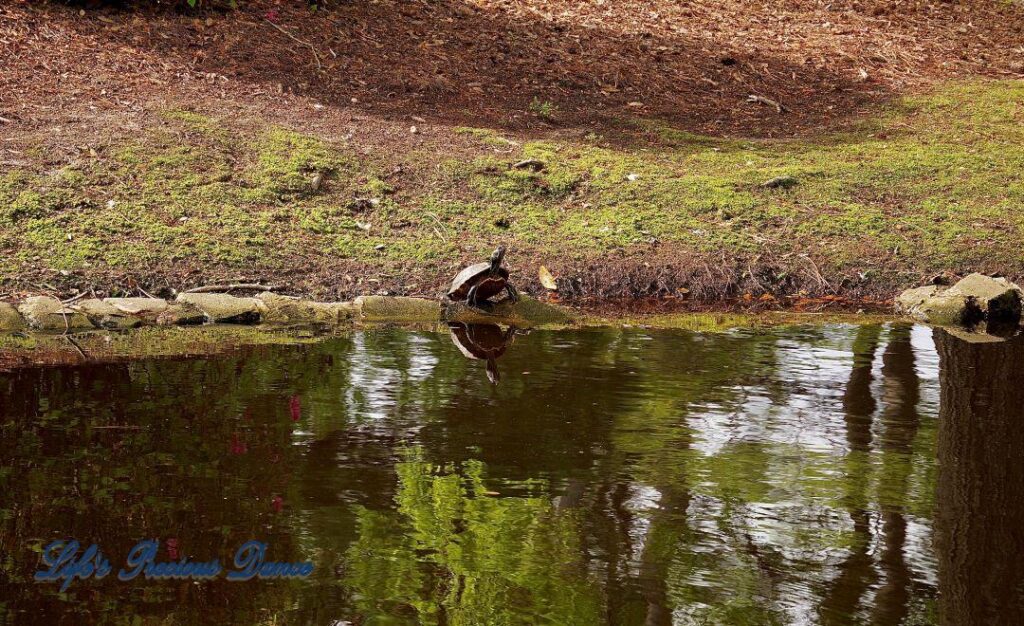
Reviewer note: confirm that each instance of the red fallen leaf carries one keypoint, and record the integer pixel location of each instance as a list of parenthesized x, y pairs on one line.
[(172, 548), (237, 445), (277, 503), (272, 15), (295, 406)]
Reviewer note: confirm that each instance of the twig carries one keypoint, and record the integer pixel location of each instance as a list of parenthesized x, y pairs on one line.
[(817, 272), (772, 103), (534, 164), (311, 47), (77, 347), (76, 298), (434, 217), (232, 286), (146, 293), (117, 426)]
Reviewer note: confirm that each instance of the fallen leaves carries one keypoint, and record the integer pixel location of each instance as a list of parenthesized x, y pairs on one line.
[(547, 279)]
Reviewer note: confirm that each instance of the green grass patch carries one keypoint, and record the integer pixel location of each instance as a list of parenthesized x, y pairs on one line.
[(932, 182)]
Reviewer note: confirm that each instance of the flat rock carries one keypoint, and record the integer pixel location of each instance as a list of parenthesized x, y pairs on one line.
[(224, 308), (138, 306), (284, 309), (947, 309), (180, 314), (397, 309), (10, 319), (47, 313), (909, 302), (105, 315), (525, 313)]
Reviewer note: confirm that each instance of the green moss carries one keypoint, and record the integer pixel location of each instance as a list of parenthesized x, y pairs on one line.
[(932, 182), (486, 136)]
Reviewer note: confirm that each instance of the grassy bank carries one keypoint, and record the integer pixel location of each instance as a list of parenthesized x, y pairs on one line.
[(930, 184)]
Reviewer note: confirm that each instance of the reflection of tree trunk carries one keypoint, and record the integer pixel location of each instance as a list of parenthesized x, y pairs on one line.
[(858, 403), (855, 572), (901, 392), (662, 537), (980, 497)]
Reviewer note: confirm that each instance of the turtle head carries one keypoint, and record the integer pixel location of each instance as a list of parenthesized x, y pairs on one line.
[(492, 371), (496, 258)]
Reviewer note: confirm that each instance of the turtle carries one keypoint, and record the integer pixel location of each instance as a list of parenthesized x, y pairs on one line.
[(484, 342), (480, 282)]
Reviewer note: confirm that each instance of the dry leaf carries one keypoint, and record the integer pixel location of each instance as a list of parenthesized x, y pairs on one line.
[(547, 279)]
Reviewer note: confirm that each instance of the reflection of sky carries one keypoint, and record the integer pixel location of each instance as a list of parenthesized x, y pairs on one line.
[(377, 377), (796, 418)]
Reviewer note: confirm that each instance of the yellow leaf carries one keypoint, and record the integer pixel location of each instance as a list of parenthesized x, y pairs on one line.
[(547, 279)]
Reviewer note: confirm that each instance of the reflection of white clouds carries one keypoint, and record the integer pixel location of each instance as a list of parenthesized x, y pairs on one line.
[(780, 446), (803, 403), (642, 500), (926, 364), (377, 376)]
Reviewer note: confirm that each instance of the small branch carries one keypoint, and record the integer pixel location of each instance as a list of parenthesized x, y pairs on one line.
[(534, 164), (311, 47), (817, 273), (76, 298), (232, 286), (436, 231), (75, 344), (146, 293), (768, 101)]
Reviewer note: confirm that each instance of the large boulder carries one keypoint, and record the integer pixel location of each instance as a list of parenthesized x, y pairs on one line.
[(224, 308), (997, 298), (10, 319), (47, 313), (974, 298), (289, 310)]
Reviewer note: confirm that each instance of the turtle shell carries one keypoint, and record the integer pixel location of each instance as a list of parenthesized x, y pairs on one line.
[(478, 275)]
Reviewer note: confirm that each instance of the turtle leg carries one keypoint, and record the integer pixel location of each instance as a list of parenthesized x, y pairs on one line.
[(513, 295), (471, 296)]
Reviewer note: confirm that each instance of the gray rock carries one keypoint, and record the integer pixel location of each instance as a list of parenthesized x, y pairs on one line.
[(283, 309), (397, 309), (947, 310), (180, 314), (146, 307), (105, 315), (997, 298), (974, 298), (46, 313), (525, 313), (10, 319), (909, 302), (224, 308)]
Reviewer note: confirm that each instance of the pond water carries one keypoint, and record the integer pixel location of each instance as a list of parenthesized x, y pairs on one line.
[(833, 474)]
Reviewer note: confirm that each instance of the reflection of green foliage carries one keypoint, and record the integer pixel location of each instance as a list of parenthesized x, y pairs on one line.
[(697, 493), (456, 550)]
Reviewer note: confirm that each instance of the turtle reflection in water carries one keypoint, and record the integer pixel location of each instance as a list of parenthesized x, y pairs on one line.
[(484, 342)]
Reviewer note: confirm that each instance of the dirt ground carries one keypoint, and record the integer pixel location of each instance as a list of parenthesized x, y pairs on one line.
[(553, 70)]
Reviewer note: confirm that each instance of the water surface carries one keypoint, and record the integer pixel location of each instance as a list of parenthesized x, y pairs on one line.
[(806, 475)]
